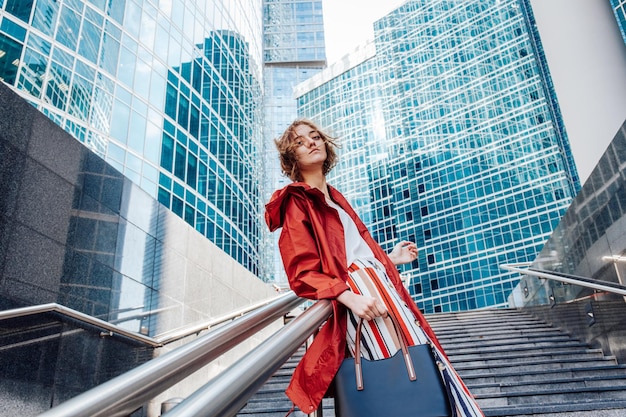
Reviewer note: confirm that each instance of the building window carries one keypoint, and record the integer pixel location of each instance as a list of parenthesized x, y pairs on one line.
[(559, 194)]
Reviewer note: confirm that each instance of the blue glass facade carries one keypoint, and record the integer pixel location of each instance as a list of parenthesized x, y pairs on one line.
[(452, 138), (293, 32), (169, 93), (619, 8), (293, 51)]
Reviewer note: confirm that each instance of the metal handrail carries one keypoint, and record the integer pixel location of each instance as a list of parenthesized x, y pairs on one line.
[(595, 284), (177, 334), (85, 318), (228, 392), (122, 395), (111, 328)]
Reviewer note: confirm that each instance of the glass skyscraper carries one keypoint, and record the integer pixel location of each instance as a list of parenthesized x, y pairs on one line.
[(452, 138), (293, 51), (619, 8), (169, 93)]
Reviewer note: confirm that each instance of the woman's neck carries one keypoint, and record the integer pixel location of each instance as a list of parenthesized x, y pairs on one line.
[(319, 182)]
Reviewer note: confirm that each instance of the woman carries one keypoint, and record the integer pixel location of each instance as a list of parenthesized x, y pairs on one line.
[(328, 253)]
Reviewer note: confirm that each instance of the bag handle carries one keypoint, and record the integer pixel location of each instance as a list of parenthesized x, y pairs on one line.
[(357, 353)]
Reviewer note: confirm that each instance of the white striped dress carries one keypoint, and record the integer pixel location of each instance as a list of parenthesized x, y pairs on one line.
[(367, 276), (379, 340)]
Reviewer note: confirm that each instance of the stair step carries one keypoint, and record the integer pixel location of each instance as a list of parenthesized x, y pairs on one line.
[(539, 365), (477, 329), (617, 382), (525, 354), (497, 335), (555, 395), (581, 409), (280, 408), (503, 347), (481, 376), (491, 325), (512, 339)]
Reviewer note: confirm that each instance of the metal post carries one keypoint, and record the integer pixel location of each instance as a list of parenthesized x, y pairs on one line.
[(169, 404), (615, 259), (619, 276)]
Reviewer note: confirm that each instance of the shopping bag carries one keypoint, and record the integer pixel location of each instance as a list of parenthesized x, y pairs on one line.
[(407, 384)]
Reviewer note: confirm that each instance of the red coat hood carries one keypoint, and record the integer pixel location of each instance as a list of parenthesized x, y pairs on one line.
[(275, 209)]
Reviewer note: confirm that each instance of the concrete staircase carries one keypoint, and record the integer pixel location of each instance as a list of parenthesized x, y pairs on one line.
[(513, 363)]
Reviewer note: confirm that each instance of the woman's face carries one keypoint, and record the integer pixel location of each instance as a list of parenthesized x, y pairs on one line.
[(310, 149)]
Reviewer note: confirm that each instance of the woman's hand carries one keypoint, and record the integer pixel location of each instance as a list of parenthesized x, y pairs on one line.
[(403, 253), (364, 307)]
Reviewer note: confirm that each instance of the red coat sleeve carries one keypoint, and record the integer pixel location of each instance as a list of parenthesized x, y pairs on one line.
[(301, 255)]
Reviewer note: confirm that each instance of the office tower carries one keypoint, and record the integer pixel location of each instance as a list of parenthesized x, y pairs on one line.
[(169, 93), (452, 138), (619, 8), (293, 51)]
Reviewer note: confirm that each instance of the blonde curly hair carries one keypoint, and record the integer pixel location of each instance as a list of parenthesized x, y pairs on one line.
[(286, 148)]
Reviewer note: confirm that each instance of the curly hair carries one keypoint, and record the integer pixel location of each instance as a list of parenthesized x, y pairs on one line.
[(286, 149)]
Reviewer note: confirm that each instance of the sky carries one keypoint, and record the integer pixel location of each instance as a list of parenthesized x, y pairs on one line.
[(349, 23)]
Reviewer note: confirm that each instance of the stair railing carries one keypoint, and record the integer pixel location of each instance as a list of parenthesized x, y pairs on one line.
[(595, 284), (77, 315), (177, 334), (228, 392), (125, 393), (110, 327)]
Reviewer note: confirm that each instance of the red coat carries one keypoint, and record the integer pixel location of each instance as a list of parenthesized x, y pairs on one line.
[(313, 251)]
